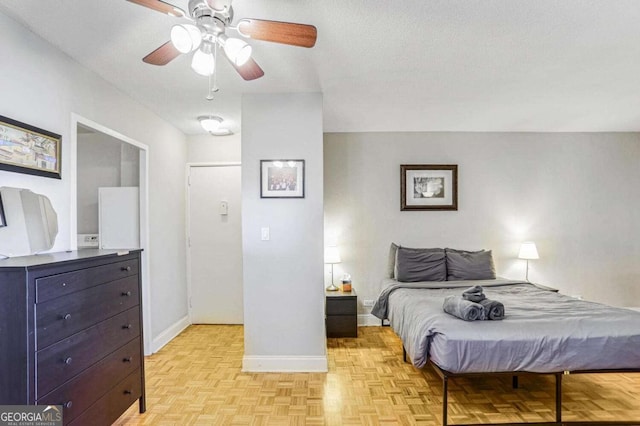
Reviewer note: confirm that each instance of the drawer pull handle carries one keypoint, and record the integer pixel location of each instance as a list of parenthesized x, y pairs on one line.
[(126, 327), (126, 293), (68, 360), (68, 404), (127, 392), (66, 316), (127, 359), (126, 268)]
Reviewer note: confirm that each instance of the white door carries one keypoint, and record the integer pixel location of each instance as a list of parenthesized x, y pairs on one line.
[(215, 252)]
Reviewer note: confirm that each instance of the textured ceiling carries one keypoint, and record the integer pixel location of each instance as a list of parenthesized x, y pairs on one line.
[(411, 65)]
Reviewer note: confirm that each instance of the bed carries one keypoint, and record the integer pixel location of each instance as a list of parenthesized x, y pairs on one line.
[(543, 332)]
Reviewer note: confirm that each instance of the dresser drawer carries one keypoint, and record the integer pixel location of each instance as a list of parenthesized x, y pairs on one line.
[(61, 317), (59, 362), (107, 409), (80, 392), (48, 288)]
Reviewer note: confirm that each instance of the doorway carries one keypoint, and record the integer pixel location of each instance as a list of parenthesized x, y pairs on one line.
[(214, 239), (133, 170)]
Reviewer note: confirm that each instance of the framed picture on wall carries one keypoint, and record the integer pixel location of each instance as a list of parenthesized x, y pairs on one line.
[(281, 178), (3, 219), (28, 149), (428, 187)]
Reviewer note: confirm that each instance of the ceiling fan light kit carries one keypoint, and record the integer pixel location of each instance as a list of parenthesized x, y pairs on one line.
[(203, 61), (186, 37), (238, 51), (209, 21)]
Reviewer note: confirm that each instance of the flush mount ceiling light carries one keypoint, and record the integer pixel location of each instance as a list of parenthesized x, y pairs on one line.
[(208, 22), (213, 125)]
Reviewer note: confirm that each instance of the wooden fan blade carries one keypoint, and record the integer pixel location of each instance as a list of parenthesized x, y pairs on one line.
[(161, 6), (279, 32), (162, 55), (250, 70)]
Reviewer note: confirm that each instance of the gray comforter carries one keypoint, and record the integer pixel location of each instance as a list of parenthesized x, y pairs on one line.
[(542, 331)]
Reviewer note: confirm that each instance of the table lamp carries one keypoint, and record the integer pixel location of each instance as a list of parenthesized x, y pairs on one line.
[(528, 251), (331, 257)]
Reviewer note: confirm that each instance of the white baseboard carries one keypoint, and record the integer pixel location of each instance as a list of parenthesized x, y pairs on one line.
[(169, 334), (288, 364), (368, 320)]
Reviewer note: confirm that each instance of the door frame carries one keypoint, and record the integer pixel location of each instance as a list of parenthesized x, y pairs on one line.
[(188, 168), (77, 119)]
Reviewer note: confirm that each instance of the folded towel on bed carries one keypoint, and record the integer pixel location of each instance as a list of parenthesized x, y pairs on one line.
[(493, 309), (474, 294), (463, 309)]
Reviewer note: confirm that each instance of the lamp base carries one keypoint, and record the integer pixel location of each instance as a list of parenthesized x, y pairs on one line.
[(332, 287)]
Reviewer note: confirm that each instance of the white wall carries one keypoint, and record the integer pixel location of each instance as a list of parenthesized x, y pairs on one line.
[(283, 288), (42, 87), (214, 149), (575, 195), (129, 165), (99, 165)]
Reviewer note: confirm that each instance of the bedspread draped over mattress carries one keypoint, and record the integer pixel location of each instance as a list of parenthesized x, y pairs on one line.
[(542, 332)]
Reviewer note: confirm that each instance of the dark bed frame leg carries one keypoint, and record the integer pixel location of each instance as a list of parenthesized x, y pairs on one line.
[(559, 398), (514, 382), (445, 403), (404, 354)]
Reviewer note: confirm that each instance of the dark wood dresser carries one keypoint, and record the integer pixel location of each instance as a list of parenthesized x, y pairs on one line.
[(341, 311), (71, 333)]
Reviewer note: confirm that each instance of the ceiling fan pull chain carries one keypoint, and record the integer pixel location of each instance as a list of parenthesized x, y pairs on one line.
[(210, 91), (215, 67), (213, 88)]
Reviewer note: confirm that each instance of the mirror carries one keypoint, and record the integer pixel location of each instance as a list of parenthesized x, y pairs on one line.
[(31, 223)]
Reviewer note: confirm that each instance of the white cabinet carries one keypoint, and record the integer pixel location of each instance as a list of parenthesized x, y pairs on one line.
[(119, 217)]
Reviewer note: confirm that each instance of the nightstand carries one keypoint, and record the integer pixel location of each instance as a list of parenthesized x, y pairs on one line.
[(341, 312)]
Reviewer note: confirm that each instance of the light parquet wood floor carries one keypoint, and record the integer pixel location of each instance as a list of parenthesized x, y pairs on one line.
[(197, 380)]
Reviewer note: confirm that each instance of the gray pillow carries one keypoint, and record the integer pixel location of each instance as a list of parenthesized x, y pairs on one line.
[(470, 265), (391, 262), (414, 264)]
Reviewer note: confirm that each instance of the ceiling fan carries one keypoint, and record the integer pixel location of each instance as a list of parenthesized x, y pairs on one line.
[(206, 31)]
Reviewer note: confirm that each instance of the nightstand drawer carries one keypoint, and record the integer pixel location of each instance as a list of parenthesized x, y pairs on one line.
[(342, 326), (341, 306)]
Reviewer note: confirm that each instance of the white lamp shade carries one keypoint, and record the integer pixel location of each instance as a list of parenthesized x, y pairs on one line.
[(203, 62), (185, 37), (528, 250), (238, 51), (332, 255)]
